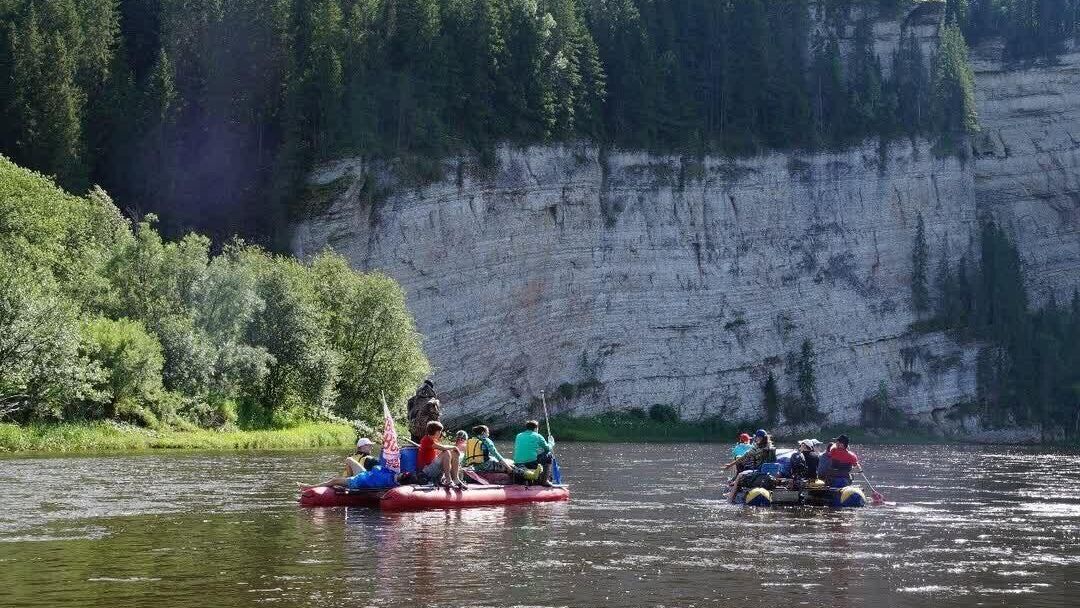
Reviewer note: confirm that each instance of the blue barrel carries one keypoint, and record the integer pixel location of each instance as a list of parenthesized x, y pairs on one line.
[(409, 456)]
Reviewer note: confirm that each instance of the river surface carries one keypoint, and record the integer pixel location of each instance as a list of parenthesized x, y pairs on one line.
[(646, 526)]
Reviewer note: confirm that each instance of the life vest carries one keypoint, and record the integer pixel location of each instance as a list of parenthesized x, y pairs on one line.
[(769, 456), (474, 452)]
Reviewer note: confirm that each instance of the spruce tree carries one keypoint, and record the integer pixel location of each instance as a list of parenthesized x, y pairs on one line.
[(865, 81), (944, 304), (953, 102), (911, 84), (920, 295), (770, 399), (806, 378)]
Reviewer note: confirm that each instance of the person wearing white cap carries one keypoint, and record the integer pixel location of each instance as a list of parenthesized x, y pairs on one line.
[(804, 462), (362, 460)]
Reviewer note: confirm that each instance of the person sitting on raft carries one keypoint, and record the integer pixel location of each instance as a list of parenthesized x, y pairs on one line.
[(437, 462), (531, 450), (481, 454), (838, 462), (363, 471), (362, 460), (804, 463), (758, 453), (761, 452), (742, 447)]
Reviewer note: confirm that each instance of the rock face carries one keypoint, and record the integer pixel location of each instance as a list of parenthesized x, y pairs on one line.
[(621, 279), (633, 279), (1027, 168)]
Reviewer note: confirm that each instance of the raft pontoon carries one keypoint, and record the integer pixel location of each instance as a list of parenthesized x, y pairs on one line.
[(414, 497)]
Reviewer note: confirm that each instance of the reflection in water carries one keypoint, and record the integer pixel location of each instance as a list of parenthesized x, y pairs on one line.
[(646, 527)]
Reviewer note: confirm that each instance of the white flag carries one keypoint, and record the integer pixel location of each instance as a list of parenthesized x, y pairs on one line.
[(391, 453)]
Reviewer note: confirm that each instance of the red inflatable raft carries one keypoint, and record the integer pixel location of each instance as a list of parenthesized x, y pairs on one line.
[(412, 498)]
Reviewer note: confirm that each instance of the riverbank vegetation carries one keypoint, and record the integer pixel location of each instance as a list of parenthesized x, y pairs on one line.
[(102, 319), (110, 436), (210, 112)]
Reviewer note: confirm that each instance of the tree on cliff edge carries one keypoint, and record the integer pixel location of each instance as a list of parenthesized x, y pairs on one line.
[(953, 102)]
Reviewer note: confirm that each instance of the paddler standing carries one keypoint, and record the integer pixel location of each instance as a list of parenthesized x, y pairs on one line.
[(423, 407)]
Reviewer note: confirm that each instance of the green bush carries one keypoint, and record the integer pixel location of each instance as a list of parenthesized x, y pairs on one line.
[(131, 361), (663, 413), (41, 371), (177, 336)]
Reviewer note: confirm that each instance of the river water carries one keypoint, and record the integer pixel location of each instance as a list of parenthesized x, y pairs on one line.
[(646, 526)]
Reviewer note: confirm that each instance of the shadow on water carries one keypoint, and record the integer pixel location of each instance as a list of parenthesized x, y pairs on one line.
[(647, 526)]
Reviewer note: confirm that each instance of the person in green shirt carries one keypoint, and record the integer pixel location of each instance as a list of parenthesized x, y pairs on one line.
[(532, 450)]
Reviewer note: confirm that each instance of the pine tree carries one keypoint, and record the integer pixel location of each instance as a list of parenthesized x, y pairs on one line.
[(865, 81), (806, 378), (920, 295), (770, 399), (829, 97), (48, 102), (911, 85), (158, 112), (956, 12), (944, 304), (954, 85)]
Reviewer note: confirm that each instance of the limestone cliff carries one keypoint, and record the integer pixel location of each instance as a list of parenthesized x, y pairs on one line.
[(629, 279), (1027, 168)]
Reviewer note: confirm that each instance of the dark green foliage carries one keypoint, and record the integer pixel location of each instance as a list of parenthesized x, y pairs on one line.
[(953, 100), (663, 413), (878, 412), (210, 112), (770, 400), (909, 90), (920, 293), (1029, 365), (1032, 29)]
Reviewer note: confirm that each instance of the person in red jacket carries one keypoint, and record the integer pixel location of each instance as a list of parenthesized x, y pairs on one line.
[(842, 461)]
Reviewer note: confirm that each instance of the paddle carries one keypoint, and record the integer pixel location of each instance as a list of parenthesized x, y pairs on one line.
[(875, 496), (556, 474)]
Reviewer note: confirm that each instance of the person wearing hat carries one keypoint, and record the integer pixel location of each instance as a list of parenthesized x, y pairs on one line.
[(759, 453), (838, 462), (362, 460), (804, 462), (362, 470), (742, 447), (747, 464)]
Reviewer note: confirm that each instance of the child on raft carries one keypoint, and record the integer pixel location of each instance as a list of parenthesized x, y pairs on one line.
[(439, 463), (482, 455), (742, 447)]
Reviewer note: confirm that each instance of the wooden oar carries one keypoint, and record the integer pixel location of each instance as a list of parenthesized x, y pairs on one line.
[(875, 496), (556, 475)]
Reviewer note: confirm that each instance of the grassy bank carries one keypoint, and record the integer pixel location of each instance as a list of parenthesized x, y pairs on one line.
[(622, 427), (111, 437)]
